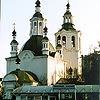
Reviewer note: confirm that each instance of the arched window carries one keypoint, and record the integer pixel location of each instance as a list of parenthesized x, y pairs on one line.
[(58, 39), (73, 41), (40, 24), (34, 23), (64, 40), (40, 27), (34, 26)]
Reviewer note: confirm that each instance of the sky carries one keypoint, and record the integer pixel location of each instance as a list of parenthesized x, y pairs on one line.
[(86, 17)]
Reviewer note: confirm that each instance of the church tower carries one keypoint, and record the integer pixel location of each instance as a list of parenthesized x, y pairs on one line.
[(14, 44), (68, 42), (45, 42), (36, 21)]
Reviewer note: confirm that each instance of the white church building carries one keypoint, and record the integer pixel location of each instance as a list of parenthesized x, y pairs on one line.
[(38, 62)]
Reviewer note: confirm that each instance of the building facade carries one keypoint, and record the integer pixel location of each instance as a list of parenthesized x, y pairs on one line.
[(40, 71)]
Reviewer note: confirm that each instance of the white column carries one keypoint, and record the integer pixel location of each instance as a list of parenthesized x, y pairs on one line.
[(59, 95), (41, 97), (26, 97), (48, 97), (18, 98), (75, 92), (34, 97)]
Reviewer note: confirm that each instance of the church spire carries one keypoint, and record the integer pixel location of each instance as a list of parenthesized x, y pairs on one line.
[(45, 42), (37, 6), (67, 19), (37, 3), (68, 6), (14, 43)]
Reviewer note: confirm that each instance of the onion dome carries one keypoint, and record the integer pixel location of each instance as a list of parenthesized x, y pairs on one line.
[(37, 14), (14, 38), (14, 44), (14, 33), (59, 46), (45, 29), (45, 38)]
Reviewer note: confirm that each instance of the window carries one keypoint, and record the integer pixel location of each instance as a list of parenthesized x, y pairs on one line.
[(34, 26), (40, 27), (40, 24), (46, 45), (34, 23), (64, 40), (12, 48), (73, 41), (58, 39)]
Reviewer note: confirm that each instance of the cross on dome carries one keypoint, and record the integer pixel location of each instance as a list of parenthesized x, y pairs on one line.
[(13, 25), (14, 32), (37, 3), (68, 5)]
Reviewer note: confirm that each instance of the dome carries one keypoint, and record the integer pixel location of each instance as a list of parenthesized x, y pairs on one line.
[(68, 13), (45, 38), (38, 14), (14, 42), (68, 26), (34, 44), (25, 75), (21, 77), (59, 46)]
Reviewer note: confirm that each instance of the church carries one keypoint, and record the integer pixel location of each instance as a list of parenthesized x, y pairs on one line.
[(39, 65)]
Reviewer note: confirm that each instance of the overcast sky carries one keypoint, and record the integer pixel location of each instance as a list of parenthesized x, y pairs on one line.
[(86, 16)]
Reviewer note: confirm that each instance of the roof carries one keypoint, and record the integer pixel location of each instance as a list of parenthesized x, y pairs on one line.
[(56, 89), (29, 76), (45, 38), (69, 81), (68, 13), (21, 77), (68, 26), (38, 14), (14, 42), (34, 44)]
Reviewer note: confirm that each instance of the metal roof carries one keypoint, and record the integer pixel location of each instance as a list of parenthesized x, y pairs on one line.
[(56, 89)]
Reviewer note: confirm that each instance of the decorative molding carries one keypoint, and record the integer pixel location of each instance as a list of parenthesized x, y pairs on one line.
[(26, 55)]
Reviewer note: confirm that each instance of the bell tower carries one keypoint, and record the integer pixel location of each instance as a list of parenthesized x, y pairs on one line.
[(68, 42)]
